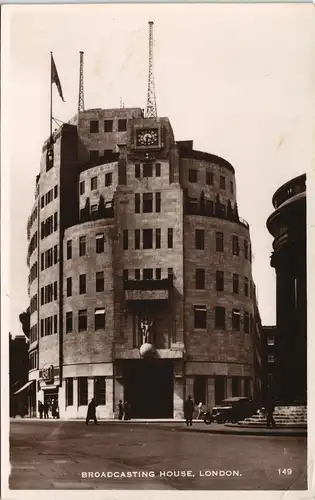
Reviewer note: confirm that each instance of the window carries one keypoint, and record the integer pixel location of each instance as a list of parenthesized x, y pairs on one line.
[(147, 204), (82, 246), (55, 254), (158, 273), (69, 249), (137, 171), (137, 203), (219, 242), (137, 239), (200, 317), (200, 279), (69, 322), (42, 328), (69, 391), (122, 125), (100, 390), (158, 170), (158, 202), (232, 187), (200, 389), (200, 239), (236, 319), (236, 386), (219, 278), (99, 281), (170, 272), (193, 175), (42, 261), (271, 358), (137, 274), (125, 275), (94, 154), (108, 179), (42, 202), (108, 125), (235, 245), (82, 391), (245, 249), (82, 323), (147, 238), (82, 283), (55, 323), (100, 240), (82, 187), (246, 287), (55, 221), (69, 287), (158, 238), (270, 340), (170, 238), (42, 299), (148, 274), (94, 127), (93, 183), (220, 317), (147, 170), (222, 182), (246, 322), (125, 239), (55, 192), (209, 178), (236, 286), (219, 389), (99, 319)]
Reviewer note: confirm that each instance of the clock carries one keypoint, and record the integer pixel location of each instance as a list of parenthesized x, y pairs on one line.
[(147, 137)]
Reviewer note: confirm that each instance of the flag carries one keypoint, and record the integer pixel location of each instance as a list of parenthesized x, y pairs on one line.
[(55, 77)]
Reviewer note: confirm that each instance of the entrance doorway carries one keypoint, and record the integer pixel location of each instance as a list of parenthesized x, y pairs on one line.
[(148, 388)]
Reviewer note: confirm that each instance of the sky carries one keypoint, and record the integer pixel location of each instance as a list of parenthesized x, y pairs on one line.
[(237, 79)]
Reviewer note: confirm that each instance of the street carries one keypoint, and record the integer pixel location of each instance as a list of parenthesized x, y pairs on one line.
[(126, 455)]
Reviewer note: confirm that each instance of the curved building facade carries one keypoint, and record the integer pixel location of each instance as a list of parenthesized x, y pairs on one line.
[(140, 271), (287, 224)]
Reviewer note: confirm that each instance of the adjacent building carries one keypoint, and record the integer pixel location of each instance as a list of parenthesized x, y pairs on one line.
[(140, 279)]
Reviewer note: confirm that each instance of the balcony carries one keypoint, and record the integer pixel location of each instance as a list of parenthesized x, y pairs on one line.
[(149, 289)]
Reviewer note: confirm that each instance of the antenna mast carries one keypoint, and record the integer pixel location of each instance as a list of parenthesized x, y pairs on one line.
[(81, 87), (151, 101)]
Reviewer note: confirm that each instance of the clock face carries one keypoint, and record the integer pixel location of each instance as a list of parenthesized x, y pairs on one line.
[(147, 137)]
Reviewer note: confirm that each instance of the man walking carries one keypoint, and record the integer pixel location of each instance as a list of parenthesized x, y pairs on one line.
[(270, 407), (189, 410), (46, 409), (120, 410), (91, 412), (40, 409)]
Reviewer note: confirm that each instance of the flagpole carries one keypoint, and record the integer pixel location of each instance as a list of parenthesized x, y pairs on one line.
[(51, 95)]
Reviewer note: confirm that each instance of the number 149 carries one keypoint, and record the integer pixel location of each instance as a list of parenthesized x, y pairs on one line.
[(284, 472)]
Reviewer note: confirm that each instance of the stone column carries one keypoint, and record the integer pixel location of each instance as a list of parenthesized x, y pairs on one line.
[(242, 387), (62, 400), (75, 395), (110, 404), (90, 388)]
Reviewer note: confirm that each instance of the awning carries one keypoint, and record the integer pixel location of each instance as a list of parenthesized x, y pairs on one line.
[(23, 387)]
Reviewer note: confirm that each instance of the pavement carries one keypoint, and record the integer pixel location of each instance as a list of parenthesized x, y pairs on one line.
[(56, 454)]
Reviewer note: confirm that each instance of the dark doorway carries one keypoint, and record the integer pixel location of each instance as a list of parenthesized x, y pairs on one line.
[(148, 388)]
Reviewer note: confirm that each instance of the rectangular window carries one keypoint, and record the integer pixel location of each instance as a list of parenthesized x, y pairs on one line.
[(270, 340), (42, 328), (200, 239), (93, 126), (99, 319), (125, 275), (147, 274), (82, 246), (137, 171), (235, 283), (69, 287), (137, 203), (55, 254), (100, 241), (69, 322), (125, 239), (219, 242), (222, 182), (122, 125), (42, 296), (55, 323), (231, 187), (235, 245), (246, 322), (236, 319), (245, 249), (236, 386), (82, 391), (42, 261), (69, 249), (158, 202), (69, 391), (137, 239), (42, 202), (158, 238), (108, 179), (158, 273), (158, 170), (147, 170), (55, 290), (147, 238), (99, 281), (200, 389), (170, 238), (200, 279), (246, 287), (271, 358), (137, 274), (100, 390), (94, 155), (209, 178), (82, 187), (108, 125), (55, 192), (220, 317), (219, 278), (147, 203), (82, 323), (82, 283), (55, 221), (93, 183), (200, 317), (193, 175)]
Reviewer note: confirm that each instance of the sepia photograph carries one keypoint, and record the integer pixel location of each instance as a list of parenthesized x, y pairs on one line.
[(155, 165)]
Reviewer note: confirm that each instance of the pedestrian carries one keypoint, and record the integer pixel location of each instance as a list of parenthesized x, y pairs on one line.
[(120, 410), (199, 409), (270, 408), (91, 412), (54, 409), (126, 415), (189, 410), (40, 409), (46, 409)]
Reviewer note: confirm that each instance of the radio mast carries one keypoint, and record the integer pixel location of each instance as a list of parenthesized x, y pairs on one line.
[(151, 101), (81, 86)]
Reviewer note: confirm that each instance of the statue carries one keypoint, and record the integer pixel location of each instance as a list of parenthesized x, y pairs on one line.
[(146, 330)]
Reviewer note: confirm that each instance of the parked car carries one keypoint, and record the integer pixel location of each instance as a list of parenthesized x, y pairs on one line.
[(233, 410)]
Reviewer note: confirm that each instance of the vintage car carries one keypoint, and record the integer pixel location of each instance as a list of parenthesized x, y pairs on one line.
[(233, 410)]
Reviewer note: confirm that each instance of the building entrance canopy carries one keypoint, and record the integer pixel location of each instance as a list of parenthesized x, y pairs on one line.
[(25, 386)]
